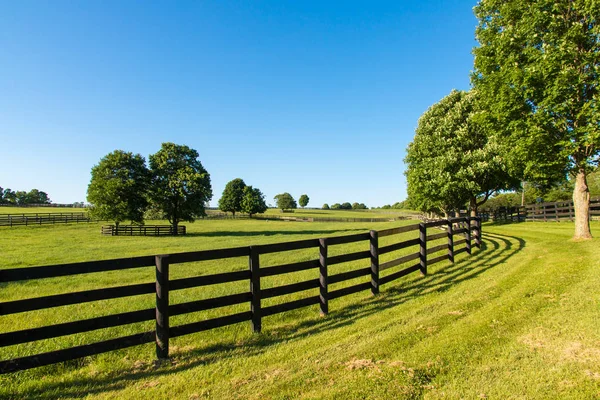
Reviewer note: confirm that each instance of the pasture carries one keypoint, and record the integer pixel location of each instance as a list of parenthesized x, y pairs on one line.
[(518, 319)]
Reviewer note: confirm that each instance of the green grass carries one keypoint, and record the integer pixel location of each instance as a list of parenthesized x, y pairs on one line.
[(43, 210), (516, 320)]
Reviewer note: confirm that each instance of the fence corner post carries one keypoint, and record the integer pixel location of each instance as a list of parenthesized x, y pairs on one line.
[(423, 248), (468, 235), (162, 306), (450, 241), (255, 306), (323, 278), (374, 244)]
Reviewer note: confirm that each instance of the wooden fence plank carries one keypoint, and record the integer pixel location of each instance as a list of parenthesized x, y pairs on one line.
[(395, 231), (399, 246), (349, 257), (208, 324), (344, 276), (350, 290), (290, 288), (39, 303), (205, 280), (399, 274), (398, 261), (287, 268), (53, 357)]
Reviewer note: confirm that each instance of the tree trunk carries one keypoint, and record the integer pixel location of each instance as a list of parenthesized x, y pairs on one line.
[(581, 202), (175, 225), (473, 206)]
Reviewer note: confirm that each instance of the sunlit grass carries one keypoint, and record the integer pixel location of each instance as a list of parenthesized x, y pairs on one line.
[(516, 320)]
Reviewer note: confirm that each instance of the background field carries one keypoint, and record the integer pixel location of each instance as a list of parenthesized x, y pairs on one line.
[(518, 320)]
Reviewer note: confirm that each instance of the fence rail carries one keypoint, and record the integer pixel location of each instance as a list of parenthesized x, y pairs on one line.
[(466, 228), (43, 218), (142, 230), (546, 212)]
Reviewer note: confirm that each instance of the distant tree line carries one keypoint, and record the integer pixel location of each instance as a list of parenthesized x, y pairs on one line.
[(345, 206), (22, 198)]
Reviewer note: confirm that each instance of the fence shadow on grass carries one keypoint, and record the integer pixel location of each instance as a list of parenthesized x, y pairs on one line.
[(270, 233), (496, 249)]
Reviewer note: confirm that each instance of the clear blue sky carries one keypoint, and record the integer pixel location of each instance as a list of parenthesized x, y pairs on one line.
[(315, 97)]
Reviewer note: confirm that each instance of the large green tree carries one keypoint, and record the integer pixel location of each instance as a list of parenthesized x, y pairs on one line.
[(285, 201), (303, 200), (118, 187), (253, 201), (451, 161), (233, 194), (180, 184), (537, 67)]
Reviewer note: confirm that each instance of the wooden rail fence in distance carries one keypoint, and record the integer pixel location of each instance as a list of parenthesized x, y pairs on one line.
[(142, 230), (467, 228), (43, 218)]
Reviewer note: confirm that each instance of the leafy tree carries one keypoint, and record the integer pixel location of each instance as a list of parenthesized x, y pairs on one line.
[(450, 161), (359, 206), (118, 187), (231, 199), (336, 206), (36, 196), (9, 197), (303, 200), (21, 197), (285, 201), (253, 201), (325, 207), (180, 184), (346, 206), (537, 66)]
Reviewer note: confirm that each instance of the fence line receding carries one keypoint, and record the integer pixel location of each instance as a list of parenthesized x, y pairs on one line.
[(466, 228)]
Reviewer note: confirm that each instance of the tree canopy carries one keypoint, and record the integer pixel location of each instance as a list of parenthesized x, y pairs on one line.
[(34, 196), (233, 194), (303, 200), (180, 184), (451, 162), (285, 201), (253, 201), (118, 187), (537, 67)]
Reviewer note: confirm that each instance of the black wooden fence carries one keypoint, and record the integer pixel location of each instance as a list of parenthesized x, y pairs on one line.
[(544, 212), (142, 230), (467, 228), (43, 218)]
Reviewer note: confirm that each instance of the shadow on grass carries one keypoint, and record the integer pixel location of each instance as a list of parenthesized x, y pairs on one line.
[(268, 233), (496, 249)]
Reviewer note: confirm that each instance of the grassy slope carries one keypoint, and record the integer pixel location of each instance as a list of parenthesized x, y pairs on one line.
[(519, 320)]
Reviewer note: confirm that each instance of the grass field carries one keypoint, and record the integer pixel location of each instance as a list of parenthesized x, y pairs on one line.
[(516, 320)]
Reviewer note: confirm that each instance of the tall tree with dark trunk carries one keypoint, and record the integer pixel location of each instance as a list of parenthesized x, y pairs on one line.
[(231, 199), (538, 68), (180, 184)]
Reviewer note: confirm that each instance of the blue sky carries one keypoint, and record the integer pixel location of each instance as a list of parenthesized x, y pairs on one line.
[(310, 97)]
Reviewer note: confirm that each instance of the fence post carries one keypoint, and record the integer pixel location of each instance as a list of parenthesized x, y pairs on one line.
[(423, 248), (468, 235), (162, 306), (450, 241), (323, 278), (255, 307), (374, 243), (479, 235), (556, 211)]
